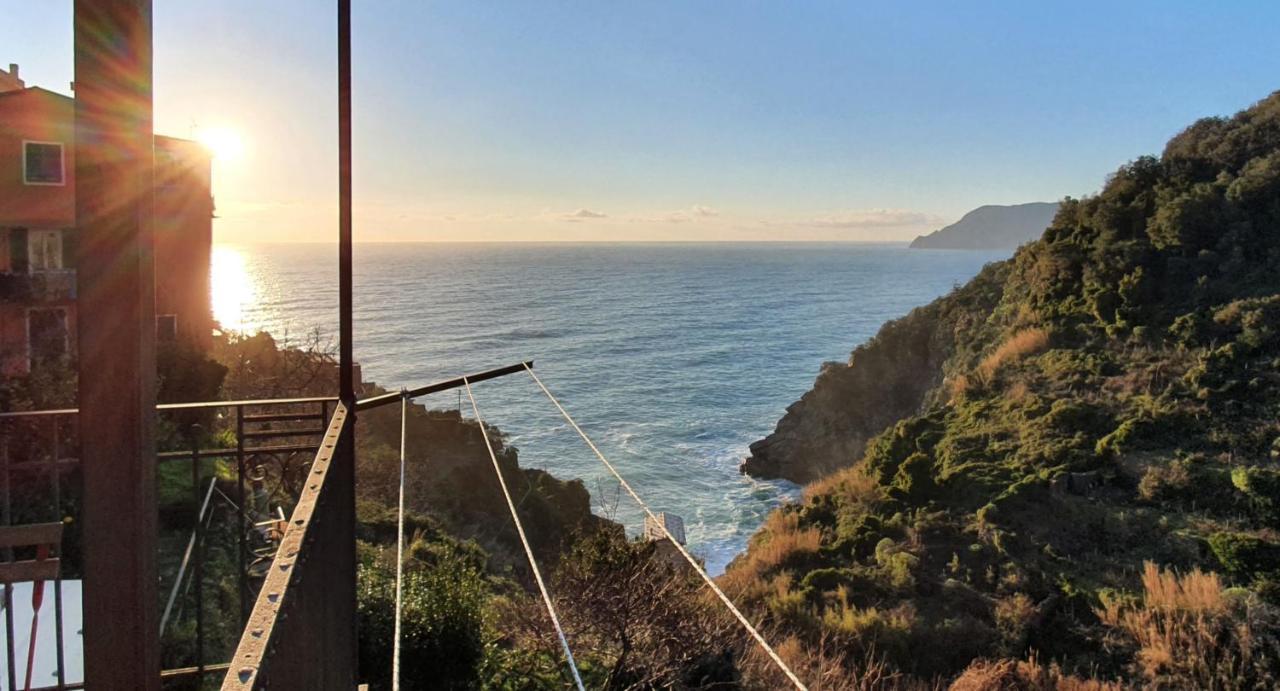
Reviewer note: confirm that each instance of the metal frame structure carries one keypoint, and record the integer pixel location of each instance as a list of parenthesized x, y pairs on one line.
[(272, 438), (301, 629)]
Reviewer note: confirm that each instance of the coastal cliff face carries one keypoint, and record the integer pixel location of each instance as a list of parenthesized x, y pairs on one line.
[(886, 379), (1085, 468)]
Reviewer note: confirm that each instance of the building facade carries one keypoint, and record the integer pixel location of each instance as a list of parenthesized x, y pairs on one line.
[(38, 236)]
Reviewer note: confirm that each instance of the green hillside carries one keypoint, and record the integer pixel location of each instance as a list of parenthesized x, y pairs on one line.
[(1108, 397)]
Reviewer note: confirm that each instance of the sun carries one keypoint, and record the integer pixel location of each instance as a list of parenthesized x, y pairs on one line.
[(224, 143)]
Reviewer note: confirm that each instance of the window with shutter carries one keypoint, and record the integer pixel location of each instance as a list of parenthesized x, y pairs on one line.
[(44, 249)]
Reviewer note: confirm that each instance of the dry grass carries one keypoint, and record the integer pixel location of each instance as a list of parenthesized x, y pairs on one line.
[(779, 541), (850, 485), (1021, 344), (826, 666), (784, 540), (1024, 675), (1186, 633)]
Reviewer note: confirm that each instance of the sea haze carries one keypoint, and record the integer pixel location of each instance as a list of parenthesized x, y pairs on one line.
[(672, 357)]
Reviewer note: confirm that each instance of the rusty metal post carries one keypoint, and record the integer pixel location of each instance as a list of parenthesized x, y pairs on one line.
[(342, 511), (346, 360), (116, 325)]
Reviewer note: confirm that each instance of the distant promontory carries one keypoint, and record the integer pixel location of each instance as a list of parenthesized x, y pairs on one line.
[(991, 228)]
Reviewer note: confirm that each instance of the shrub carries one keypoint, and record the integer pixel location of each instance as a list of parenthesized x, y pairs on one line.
[(914, 478), (869, 628), (1245, 557), (1262, 487), (1163, 481), (1014, 616), (442, 625), (648, 618)]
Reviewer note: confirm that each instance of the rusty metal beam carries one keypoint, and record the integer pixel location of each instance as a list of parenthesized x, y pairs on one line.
[(116, 304), (301, 633), (456, 382)]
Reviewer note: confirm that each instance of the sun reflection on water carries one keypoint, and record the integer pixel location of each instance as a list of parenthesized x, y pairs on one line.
[(232, 288)]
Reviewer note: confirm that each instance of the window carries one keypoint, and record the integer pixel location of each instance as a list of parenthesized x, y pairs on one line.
[(44, 250), (47, 337), (43, 164)]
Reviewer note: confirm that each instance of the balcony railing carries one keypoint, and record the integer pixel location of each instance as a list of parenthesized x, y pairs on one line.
[(229, 473), (44, 286)]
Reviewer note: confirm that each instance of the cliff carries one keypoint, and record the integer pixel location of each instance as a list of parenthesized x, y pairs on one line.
[(991, 227), (1085, 460), (888, 378)]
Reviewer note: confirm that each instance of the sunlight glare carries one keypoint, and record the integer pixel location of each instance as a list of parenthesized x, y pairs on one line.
[(231, 287), (224, 143)]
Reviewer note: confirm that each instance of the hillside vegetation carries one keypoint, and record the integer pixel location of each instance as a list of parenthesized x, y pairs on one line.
[(1076, 455)]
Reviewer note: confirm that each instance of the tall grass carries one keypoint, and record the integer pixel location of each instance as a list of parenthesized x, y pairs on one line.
[(784, 540), (1187, 632), (1024, 675), (852, 485), (780, 541), (1021, 344)]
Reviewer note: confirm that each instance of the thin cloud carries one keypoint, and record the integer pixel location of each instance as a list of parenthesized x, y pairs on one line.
[(695, 213), (872, 218)]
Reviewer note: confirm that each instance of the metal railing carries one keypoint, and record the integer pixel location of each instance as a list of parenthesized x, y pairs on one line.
[(56, 285), (228, 474)]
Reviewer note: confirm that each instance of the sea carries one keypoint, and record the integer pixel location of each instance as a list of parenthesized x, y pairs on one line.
[(672, 357)]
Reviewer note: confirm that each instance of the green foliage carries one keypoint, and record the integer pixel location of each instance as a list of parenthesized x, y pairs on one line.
[(187, 374), (1246, 557), (1032, 479), (1262, 487), (914, 478), (442, 625)]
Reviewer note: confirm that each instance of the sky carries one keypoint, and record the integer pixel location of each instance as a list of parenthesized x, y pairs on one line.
[(680, 120)]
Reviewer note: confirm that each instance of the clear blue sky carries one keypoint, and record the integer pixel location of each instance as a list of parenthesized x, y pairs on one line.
[(677, 120)]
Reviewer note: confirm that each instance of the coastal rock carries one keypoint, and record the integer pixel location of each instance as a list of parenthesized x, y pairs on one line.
[(885, 379)]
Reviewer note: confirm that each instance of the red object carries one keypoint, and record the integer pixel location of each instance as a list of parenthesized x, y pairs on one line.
[(37, 599)]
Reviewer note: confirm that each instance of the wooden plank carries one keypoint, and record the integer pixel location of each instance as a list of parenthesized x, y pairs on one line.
[(21, 571), (31, 535)]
